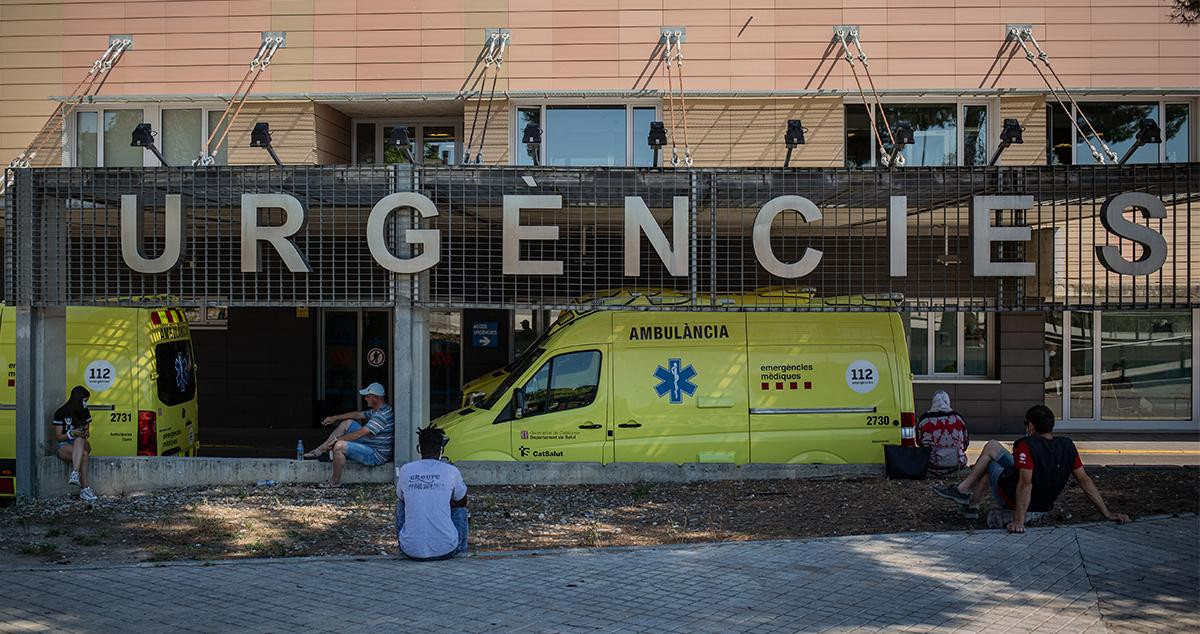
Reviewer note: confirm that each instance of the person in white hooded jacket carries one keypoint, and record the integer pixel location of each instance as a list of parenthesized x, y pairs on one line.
[(944, 431)]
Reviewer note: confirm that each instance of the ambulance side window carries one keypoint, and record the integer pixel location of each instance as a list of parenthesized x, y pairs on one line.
[(565, 382)]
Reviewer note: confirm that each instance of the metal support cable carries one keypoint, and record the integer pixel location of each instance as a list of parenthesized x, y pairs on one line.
[(489, 58), (1070, 117), (687, 146), (671, 102), (487, 118), (862, 57), (262, 67), (1045, 58), (254, 62), (841, 35)]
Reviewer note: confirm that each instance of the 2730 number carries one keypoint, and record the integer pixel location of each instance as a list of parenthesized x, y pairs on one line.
[(878, 420)]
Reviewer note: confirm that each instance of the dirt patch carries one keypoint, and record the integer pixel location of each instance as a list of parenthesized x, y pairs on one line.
[(293, 520)]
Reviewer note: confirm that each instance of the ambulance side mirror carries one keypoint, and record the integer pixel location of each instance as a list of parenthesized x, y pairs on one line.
[(474, 398), (518, 402)]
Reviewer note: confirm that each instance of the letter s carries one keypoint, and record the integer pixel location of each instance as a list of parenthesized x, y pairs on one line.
[(1154, 246)]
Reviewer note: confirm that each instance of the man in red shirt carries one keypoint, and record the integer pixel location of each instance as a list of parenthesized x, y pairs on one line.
[(1026, 486)]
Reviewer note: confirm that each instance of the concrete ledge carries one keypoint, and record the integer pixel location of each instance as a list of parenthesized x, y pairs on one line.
[(114, 476)]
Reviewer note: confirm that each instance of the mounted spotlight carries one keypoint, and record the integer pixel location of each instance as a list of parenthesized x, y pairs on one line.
[(903, 133), (260, 136), (657, 139), (532, 138), (792, 137), (399, 140), (1010, 134), (143, 137), (1148, 132)]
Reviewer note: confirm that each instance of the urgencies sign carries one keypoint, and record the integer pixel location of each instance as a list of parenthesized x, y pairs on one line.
[(638, 222)]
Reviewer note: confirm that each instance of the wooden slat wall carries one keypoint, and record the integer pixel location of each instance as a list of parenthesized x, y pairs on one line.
[(749, 132), (496, 142), (332, 136), (1031, 112), (292, 133)]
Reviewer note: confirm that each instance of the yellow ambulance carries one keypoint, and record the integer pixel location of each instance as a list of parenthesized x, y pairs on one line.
[(138, 365), (686, 387)]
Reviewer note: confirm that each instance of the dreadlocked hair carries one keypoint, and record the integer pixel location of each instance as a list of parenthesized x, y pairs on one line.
[(430, 438)]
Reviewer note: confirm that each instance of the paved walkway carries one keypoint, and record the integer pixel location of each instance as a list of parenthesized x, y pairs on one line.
[(1096, 578)]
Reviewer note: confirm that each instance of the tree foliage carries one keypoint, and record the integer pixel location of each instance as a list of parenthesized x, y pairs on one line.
[(1185, 11)]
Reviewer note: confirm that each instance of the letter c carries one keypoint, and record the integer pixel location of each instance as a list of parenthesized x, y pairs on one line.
[(762, 237)]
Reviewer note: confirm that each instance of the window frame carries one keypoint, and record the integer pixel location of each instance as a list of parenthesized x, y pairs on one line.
[(1162, 100), (993, 121), (1096, 421), (418, 124), (960, 346), (151, 113), (514, 136), (549, 364)]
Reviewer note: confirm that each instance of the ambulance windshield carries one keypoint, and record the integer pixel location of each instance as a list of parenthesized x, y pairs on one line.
[(522, 364)]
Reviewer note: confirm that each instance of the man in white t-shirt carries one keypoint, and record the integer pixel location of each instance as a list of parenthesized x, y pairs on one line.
[(431, 504)]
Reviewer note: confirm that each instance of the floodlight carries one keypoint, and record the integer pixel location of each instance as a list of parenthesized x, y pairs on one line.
[(1010, 134), (260, 136), (793, 136), (1148, 132), (532, 138), (657, 139), (143, 137)]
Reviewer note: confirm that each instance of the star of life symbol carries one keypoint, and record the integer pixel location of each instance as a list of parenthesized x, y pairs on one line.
[(675, 380), (181, 372)]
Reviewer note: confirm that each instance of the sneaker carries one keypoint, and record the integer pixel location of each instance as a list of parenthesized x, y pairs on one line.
[(968, 511), (87, 495), (951, 492), (73, 478)]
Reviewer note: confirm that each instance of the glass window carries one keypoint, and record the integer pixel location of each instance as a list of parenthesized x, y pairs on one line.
[(1177, 132), (945, 343), (118, 131), (526, 116), (567, 381), (1053, 372), (577, 136), (643, 156), (1117, 123), (975, 348), (525, 334), (181, 132), (1082, 336), (1146, 365), (394, 154), (176, 374), (86, 138), (935, 134), (222, 149), (918, 343), (364, 143), (1058, 136), (859, 140), (975, 135), (438, 144)]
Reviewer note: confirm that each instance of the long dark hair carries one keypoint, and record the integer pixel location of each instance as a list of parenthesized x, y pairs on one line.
[(74, 404)]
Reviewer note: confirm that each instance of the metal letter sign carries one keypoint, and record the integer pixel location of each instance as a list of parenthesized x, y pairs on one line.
[(485, 334), (1154, 246)]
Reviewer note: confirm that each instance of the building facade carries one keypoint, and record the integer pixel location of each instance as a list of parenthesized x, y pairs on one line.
[(464, 80)]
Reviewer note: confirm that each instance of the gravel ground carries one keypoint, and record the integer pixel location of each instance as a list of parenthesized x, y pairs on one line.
[(295, 520)]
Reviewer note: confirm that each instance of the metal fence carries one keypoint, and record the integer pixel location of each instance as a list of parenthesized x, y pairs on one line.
[(63, 237)]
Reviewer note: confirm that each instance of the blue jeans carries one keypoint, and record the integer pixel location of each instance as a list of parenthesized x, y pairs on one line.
[(359, 452), (995, 468), (458, 515)]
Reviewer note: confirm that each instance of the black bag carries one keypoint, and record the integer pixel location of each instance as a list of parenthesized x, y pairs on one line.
[(906, 463)]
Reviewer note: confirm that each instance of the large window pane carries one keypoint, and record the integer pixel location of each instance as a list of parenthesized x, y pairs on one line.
[(438, 145), (118, 132), (221, 149), (1146, 358), (86, 138), (975, 346), (574, 379), (1177, 132), (181, 131), (858, 136), (1059, 135), (918, 343), (364, 143), (585, 135), (1117, 124), (526, 116), (643, 156), (975, 135), (945, 343), (1053, 373), (392, 154), (1082, 340), (935, 134)]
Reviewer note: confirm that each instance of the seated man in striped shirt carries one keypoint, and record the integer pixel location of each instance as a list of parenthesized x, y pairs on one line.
[(365, 437)]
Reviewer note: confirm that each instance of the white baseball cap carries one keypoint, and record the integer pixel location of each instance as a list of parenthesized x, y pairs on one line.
[(373, 389)]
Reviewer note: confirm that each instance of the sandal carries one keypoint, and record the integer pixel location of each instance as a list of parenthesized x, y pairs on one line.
[(313, 455), (329, 485)]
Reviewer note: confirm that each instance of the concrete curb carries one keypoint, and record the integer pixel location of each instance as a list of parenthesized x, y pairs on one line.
[(115, 476)]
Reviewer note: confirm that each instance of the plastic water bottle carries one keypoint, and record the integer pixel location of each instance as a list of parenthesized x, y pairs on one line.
[(265, 483), (300, 449)]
